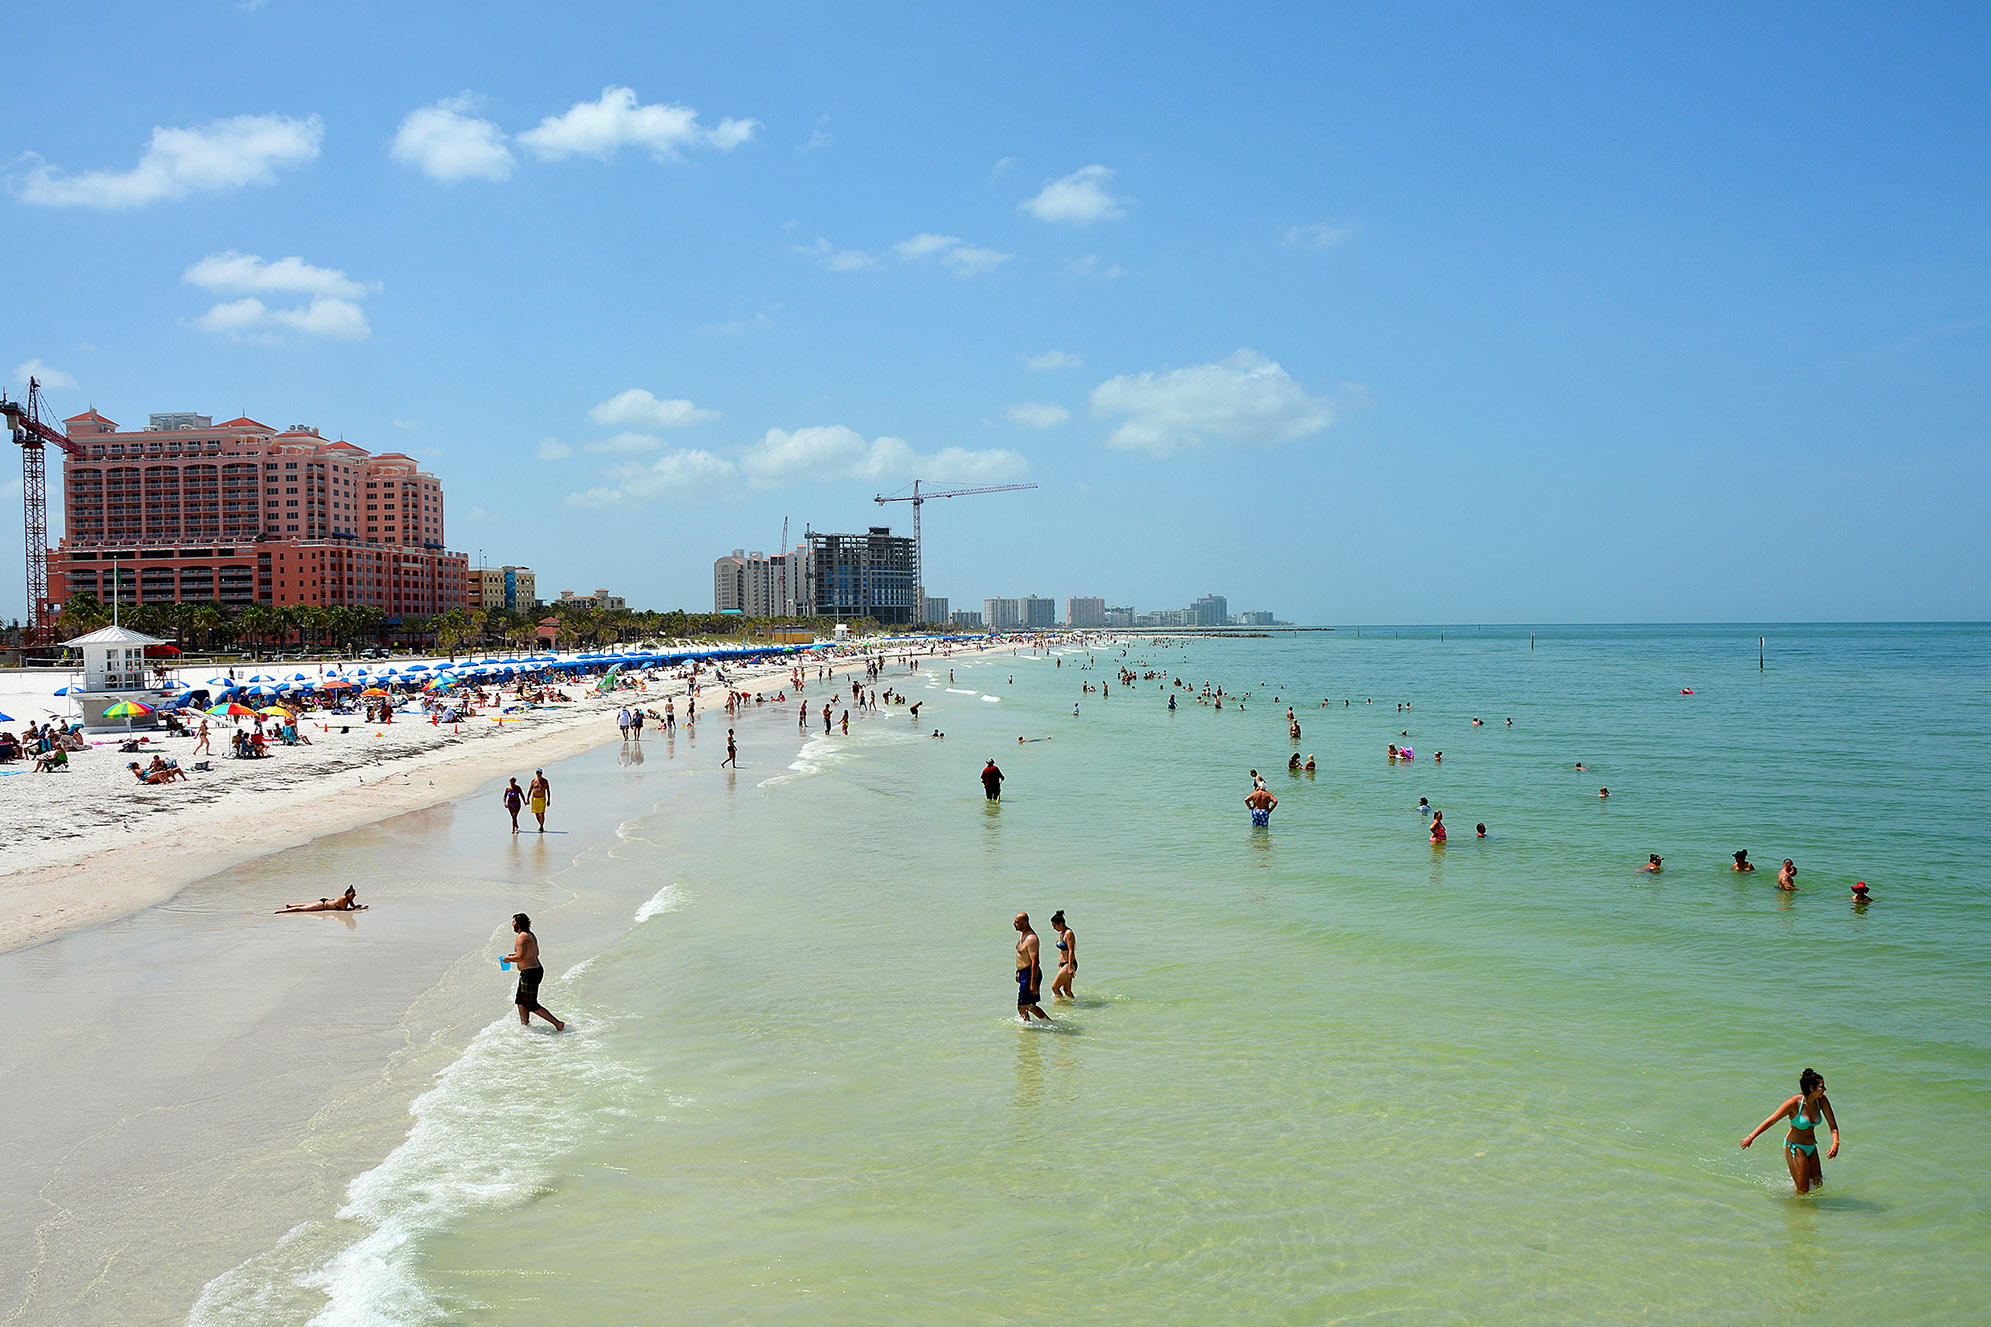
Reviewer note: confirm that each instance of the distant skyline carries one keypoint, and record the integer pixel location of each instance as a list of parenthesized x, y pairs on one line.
[(1549, 314)]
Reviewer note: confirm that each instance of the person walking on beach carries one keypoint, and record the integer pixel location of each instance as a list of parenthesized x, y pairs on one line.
[(1261, 801), (1061, 985), (540, 793), (622, 722), (636, 723), (525, 957), (732, 752), (1029, 972), (202, 744), (1805, 1111), (514, 800), (992, 781)]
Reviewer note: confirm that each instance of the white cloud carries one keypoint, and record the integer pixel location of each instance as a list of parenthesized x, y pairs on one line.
[(1078, 199), (1052, 359), (245, 273), (250, 319), (760, 322), (445, 142), (1246, 400), (602, 128), (406, 423), (960, 258), (223, 154), (679, 475), (55, 380), (627, 442), (332, 311), (1317, 235), (552, 449), (1091, 266), (637, 407), (817, 140), (1037, 414), (835, 452), (834, 259), (1003, 167)]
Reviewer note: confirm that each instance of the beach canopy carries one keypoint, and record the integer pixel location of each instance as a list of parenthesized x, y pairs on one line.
[(230, 710), (376, 691), (337, 684), (127, 709)]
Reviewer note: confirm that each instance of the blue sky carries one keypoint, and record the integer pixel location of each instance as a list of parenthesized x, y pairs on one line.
[(1578, 313)]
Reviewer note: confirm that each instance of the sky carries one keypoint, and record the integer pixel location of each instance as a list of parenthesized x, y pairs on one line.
[(1381, 314)]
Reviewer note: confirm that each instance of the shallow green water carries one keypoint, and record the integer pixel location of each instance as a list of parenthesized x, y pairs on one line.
[(1324, 1073)]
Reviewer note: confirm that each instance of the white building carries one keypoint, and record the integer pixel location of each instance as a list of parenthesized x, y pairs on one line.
[(757, 585), (933, 610), (1002, 614), (114, 669), (1085, 612)]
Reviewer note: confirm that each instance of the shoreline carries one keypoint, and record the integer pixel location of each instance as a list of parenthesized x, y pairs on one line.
[(235, 814)]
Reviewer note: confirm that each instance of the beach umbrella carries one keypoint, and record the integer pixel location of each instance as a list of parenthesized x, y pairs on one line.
[(337, 684), (262, 677), (389, 672), (300, 677), (418, 668), (127, 709), (230, 710), (376, 691), (63, 691), (275, 712), (220, 682), (6, 718)]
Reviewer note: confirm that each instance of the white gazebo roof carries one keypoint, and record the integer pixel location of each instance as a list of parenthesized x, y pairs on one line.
[(116, 636)]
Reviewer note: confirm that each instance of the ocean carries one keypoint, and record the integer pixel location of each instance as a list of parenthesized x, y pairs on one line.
[(1317, 1073)]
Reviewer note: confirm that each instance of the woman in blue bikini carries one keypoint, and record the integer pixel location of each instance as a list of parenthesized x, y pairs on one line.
[(1806, 1111)]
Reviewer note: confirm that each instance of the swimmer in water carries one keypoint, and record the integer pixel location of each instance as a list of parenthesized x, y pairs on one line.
[(1603, 792), (1261, 801), (1787, 877), (1805, 1111), (1293, 763), (1424, 806), (1438, 829), (1742, 862), (1652, 862), (1481, 827), (1310, 762), (1861, 895)]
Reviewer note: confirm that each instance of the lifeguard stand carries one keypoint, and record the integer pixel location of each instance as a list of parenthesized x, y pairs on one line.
[(115, 669)]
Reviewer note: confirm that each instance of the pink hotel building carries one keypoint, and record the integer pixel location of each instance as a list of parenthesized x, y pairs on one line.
[(246, 514)]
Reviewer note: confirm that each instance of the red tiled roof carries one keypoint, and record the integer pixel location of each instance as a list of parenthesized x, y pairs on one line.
[(244, 422), (91, 413)]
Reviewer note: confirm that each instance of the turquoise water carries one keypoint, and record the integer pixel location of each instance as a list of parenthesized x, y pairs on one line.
[(1321, 1073)]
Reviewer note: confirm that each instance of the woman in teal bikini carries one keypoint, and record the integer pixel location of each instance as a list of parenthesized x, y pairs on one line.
[(1806, 1111)]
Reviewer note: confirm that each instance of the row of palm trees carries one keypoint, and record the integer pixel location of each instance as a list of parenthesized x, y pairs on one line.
[(211, 626)]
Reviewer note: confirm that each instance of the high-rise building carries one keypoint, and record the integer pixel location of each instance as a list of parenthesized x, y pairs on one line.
[(242, 513), (1002, 613), (1210, 611), (1256, 619), (1085, 612), (1120, 617), (1039, 613), (757, 585), (933, 610), (861, 575), (511, 588), (964, 617)]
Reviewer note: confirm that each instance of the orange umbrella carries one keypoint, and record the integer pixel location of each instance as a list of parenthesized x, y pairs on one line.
[(375, 691)]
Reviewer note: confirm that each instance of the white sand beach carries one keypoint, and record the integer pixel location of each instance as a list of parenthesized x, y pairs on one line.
[(92, 843)]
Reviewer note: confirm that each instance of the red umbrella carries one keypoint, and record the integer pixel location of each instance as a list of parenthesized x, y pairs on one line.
[(160, 651)]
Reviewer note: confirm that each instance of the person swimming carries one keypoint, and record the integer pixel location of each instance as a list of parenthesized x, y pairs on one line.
[(1481, 827), (1438, 828), (1861, 894), (1310, 762), (1293, 763), (1742, 862), (1652, 862)]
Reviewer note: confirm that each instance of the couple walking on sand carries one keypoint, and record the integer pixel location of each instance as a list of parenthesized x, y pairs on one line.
[(539, 794), (1030, 969)]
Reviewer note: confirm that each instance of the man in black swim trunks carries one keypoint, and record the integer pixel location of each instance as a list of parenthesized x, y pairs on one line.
[(525, 957), (1029, 971)]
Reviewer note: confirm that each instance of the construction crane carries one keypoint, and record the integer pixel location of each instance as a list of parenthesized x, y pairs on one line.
[(918, 499), (23, 419)]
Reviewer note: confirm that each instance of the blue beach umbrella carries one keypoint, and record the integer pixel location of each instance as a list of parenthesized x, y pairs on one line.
[(262, 677), (6, 718), (63, 691), (300, 677), (418, 668), (219, 682)]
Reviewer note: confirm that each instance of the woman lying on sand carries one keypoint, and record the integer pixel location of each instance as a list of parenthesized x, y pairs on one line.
[(344, 903)]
